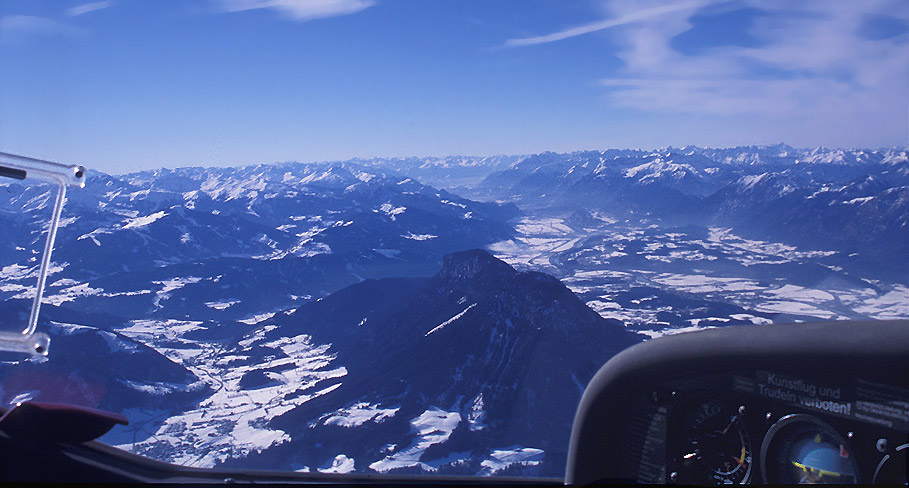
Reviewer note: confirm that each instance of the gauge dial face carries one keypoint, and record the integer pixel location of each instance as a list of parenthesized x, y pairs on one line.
[(716, 446), (805, 450)]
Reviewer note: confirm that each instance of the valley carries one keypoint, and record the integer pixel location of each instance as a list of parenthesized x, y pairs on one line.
[(403, 315)]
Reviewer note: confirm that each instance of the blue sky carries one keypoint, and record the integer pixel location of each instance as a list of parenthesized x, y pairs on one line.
[(120, 85)]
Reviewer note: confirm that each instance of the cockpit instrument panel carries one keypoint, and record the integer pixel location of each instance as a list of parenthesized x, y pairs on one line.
[(737, 428), (762, 414)]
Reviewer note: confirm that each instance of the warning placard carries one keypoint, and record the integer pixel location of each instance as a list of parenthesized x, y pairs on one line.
[(885, 405)]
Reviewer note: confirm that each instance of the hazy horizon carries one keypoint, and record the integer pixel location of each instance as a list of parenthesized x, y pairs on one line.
[(122, 86), (479, 156)]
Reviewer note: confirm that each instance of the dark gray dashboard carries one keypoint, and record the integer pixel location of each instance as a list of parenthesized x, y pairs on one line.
[(822, 402)]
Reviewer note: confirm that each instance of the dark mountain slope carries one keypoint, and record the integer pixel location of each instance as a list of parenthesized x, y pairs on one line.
[(93, 367), (508, 353)]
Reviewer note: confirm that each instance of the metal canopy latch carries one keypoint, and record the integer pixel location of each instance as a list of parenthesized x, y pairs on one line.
[(23, 168)]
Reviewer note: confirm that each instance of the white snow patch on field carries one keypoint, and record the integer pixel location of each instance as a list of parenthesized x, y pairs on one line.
[(256, 336), (127, 293), (796, 308), (64, 282), (893, 304), (71, 293), (756, 252), (604, 273), (433, 426), (358, 414), (167, 286), (391, 211), (93, 235), (17, 272), (21, 291), (449, 202), (304, 250), (157, 388), (653, 334), (222, 305), (67, 221), (538, 240), (793, 292), (255, 319), (418, 237), (143, 221), (341, 464), (705, 284), (543, 226), (858, 201), (500, 459), (697, 322), (598, 305), (753, 318), (149, 331)]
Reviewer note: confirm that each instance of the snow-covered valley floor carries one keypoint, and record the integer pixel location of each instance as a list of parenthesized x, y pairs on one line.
[(231, 422), (603, 259)]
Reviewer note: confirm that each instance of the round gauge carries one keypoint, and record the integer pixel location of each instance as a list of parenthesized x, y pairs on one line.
[(803, 449), (892, 468), (715, 447)]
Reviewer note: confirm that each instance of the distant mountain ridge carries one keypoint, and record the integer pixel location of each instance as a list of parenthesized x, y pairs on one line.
[(241, 239), (854, 201)]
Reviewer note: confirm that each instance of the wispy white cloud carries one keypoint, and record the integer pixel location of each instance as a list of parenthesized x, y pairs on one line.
[(820, 46), (15, 29), (627, 18), (810, 71), (301, 9), (88, 7)]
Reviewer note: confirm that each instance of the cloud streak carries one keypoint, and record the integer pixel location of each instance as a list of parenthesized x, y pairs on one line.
[(638, 16), (301, 9), (88, 7)]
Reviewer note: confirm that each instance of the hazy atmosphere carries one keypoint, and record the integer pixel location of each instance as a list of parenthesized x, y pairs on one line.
[(122, 85)]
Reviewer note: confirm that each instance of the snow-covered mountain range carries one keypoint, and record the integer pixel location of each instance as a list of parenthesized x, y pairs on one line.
[(249, 240), (849, 200), (343, 316)]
